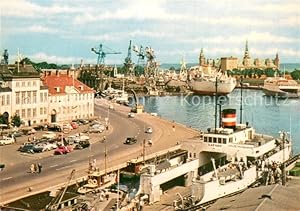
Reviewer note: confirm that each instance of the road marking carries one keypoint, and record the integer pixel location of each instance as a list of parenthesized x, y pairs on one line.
[(72, 161), (54, 166), (62, 168), (7, 178)]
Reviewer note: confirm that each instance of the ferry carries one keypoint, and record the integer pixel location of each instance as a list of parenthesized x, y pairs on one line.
[(281, 87), (244, 157)]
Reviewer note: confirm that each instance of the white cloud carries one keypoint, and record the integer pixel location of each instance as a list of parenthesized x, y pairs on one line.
[(24, 8), (34, 29)]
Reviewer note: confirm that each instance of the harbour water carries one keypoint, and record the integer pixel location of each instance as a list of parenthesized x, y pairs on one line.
[(267, 115)]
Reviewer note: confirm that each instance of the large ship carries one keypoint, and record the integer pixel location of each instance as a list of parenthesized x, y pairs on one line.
[(209, 84), (281, 87), (250, 157)]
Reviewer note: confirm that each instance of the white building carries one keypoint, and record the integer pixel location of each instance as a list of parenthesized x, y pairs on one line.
[(69, 99), (23, 93)]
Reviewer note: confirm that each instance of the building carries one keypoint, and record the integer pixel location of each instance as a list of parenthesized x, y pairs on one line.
[(69, 99), (229, 63), (23, 93)]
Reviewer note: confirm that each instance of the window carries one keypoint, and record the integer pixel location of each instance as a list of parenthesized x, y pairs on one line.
[(219, 140), (34, 112), (23, 113), (224, 140), (41, 111), (34, 83), (215, 140), (23, 97), (28, 98), (3, 100), (210, 139), (17, 84), (205, 139), (28, 83), (194, 155), (23, 83), (18, 112), (41, 97), (17, 98), (34, 97), (28, 112), (7, 100), (230, 140), (45, 110), (45, 97)]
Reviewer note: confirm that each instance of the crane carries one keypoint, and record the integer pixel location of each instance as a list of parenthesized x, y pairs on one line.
[(101, 53), (128, 62)]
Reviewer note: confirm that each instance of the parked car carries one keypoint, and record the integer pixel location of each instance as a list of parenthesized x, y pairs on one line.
[(62, 150), (83, 121), (17, 133), (49, 135), (130, 140), (74, 125), (28, 148), (131, 115), (96, 129), (82, 144), (4, 140), (54, 127), (42, 147), (149, 130)]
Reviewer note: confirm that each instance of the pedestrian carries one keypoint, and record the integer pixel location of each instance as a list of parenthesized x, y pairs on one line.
[(32, 168), (39, 167)]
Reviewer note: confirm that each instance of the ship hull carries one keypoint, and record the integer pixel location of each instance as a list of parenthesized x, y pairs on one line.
[(279, 93), (209, 87)]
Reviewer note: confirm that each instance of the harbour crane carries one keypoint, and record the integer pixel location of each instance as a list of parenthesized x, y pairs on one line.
[(129, 65), (102, 53)]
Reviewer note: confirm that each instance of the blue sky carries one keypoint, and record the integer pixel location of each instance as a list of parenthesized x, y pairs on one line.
[(62, 31)]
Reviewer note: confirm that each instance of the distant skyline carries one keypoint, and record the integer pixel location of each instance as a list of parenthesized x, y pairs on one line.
[(63, 32)]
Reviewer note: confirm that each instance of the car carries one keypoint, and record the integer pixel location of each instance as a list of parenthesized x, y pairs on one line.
[(149, 130), (38, 148), (28, 148), (82, 144), (74, 125), (6, 140), (42, 147), (62, 150), (95, 130), (2, 166), (17, 133), (131, 115), (130, 140), (49, 135), (83, 121)]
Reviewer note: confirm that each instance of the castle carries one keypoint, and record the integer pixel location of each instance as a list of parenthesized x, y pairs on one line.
[(230, 63)]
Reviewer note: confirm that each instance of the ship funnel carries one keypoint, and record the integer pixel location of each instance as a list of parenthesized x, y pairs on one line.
[(229, 118)]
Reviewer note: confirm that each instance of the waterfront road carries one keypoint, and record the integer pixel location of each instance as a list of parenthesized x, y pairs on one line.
[(15, 180)]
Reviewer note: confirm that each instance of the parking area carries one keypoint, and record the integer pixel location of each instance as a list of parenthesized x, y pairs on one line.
[(43, 143)]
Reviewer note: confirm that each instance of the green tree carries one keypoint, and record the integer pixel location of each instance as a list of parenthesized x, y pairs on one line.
[(16, 120), (296, 74)]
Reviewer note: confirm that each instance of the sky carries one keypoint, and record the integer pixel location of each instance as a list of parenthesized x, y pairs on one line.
[(64, 31)]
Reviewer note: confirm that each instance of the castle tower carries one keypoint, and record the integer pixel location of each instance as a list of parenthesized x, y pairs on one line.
[(277, 62), (201, 58), (246, 59)]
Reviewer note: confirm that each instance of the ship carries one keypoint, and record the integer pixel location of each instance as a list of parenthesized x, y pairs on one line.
[(281, 87), (209, 84), (249, 158)]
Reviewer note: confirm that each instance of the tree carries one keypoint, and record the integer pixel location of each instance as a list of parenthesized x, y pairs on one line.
[(296, 74), (16, 120)]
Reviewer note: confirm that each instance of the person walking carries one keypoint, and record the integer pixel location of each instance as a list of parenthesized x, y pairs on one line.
[(39, 168), (32, 168)]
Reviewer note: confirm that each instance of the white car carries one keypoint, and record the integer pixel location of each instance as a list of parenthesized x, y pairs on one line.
[(149, 130), (6, 140), (49, 135), (131, 115)]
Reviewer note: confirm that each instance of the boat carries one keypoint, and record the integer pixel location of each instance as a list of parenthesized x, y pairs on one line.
[(206, 84), (244, 158), (281, 87)]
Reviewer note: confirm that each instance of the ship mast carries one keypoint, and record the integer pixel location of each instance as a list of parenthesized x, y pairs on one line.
[(216, 104), (241, 103)]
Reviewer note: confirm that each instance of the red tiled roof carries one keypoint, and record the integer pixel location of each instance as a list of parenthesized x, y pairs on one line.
[(63, 80)]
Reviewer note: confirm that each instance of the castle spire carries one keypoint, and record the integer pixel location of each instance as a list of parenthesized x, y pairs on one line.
[(246, 50)]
